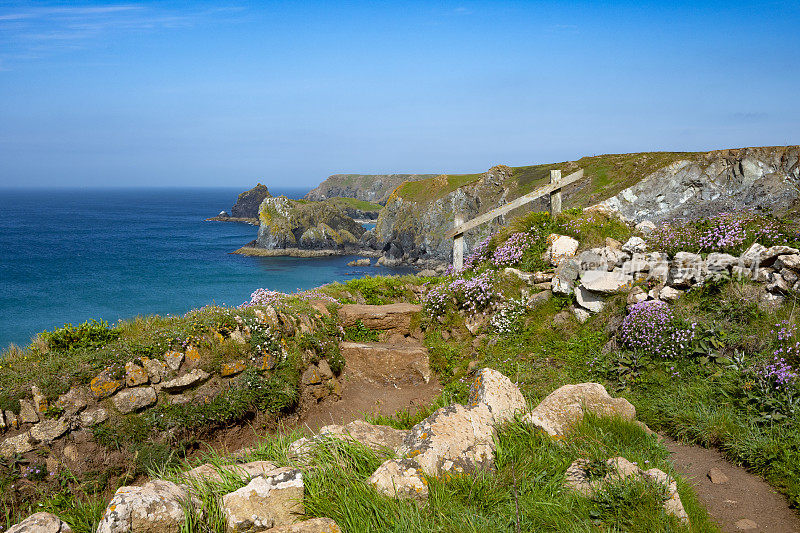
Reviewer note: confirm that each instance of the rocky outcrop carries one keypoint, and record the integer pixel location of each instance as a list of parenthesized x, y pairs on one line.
[(766, 179), (370, 188), (247, 204), (285, 223), (453, 441)]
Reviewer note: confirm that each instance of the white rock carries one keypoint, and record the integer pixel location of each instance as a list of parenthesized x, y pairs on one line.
[(561, 247), (130, 400), (581, 314), (686, 270), (265, 502), (635, 245), (588, 300), (606, 282), (155, 507), (669, 294), (645, 227), (195, 377), (791, 262), (720, 264), (400, 478)]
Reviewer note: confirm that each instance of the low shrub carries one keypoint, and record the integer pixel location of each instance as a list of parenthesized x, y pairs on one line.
[(89, 335)]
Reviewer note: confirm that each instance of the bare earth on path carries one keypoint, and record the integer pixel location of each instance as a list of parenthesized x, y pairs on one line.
[(742, 497)]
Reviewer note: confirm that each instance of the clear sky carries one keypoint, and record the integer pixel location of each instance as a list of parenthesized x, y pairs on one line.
[(227, 93)]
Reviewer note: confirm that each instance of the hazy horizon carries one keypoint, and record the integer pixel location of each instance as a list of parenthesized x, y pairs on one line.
[(212, 94)]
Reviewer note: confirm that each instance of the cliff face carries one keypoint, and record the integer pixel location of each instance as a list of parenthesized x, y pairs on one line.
[(416, 228), (249, 201), (286, 223), (370, 188), (651, 185), (765, 179)]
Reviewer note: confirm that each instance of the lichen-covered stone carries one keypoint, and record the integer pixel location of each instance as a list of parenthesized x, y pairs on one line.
[(155, 507), (192, 355), (400, 478), (135, 375), (18, 444), (105, 384), (131, 400), (40, 402), (266, 502), (73, 402), (41, 523), (92, 417), (174, 360), (49, 430), (498, 393), (606, 282), (27, 412), (232, 368), (156, 370)]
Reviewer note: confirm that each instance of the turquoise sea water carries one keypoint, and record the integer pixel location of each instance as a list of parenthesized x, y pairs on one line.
[(73, 255)]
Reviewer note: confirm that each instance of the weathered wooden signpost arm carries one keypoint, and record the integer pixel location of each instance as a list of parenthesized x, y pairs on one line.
[(553, 189)]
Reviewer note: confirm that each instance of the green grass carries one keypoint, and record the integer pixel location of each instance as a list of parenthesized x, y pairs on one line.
[(355, 203), (525, 493), (606, 176)]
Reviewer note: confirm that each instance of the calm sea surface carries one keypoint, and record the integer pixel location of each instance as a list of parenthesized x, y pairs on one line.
[(71, 255)]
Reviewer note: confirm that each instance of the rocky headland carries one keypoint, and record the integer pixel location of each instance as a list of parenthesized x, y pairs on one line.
[(246, 207)]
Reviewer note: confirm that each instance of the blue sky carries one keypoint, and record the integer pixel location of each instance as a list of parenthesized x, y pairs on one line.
[(225, 94)]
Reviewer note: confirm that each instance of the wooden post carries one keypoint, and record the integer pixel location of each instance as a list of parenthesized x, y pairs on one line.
[(555, 196), (458, 245)]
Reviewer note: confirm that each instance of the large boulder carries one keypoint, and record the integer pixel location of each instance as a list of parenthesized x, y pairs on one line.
[(453, 440), (41, 523), (265, 502), (560, 247), (566, 274), (564, 408), (155, 507)]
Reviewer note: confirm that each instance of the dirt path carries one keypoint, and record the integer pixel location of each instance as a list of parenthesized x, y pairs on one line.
[(743, 496)]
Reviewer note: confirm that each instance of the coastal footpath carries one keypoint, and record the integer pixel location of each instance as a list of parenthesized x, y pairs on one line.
[(546, 366)]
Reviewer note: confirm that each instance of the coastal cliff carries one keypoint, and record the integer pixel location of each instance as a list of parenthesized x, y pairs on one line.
[(246, 207), (286, 223), (370, 188), (640, 186)]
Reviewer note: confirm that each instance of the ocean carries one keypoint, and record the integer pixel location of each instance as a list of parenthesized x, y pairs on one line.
[(73, 255)]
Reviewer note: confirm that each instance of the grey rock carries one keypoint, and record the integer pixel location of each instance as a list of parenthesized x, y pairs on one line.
[(41, 523), (588, 300), (565, 276), (669, 294), (49, 430), (156, 370), (581, 314), (27, 412), (634, 245), (606, 282), (777, 284), (713, 182), (174, 360), (266, 502), (92, 417), (131, 400), (686, 270), (745, 524), (191, 379), (718, 264)]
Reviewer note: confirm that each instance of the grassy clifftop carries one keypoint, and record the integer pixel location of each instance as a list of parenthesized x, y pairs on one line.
[(605, 176)]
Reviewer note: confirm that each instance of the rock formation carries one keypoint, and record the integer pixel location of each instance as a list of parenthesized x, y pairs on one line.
[(370, 188), (286, 223), (247, 204)]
